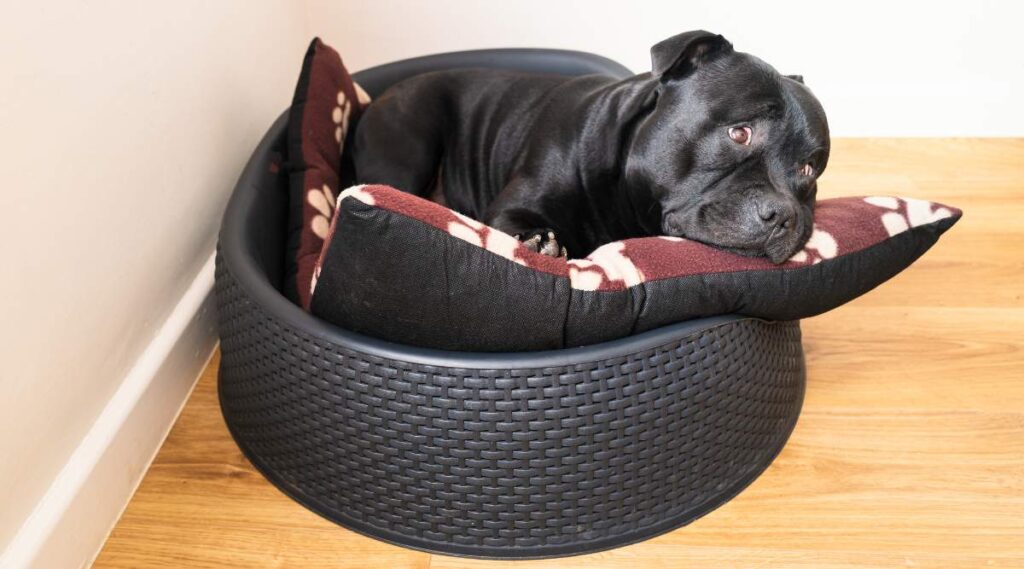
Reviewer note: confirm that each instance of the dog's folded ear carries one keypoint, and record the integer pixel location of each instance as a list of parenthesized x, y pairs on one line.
[(680, 55), (798, 78)]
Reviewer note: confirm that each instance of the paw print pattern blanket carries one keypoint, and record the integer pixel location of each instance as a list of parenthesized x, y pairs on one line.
[(398, 267)]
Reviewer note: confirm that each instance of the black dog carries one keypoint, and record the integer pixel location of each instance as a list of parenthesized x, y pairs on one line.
[(712, 145)]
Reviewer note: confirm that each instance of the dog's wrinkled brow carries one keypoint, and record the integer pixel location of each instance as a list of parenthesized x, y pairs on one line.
[(770, 109)]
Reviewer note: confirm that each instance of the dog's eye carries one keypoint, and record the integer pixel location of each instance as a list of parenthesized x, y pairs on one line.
[(741, 135), (807, 170)]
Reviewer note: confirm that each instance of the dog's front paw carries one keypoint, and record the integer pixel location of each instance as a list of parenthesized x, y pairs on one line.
[(543, 241)]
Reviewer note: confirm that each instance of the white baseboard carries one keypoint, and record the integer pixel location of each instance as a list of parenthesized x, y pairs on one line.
[(70, 523)]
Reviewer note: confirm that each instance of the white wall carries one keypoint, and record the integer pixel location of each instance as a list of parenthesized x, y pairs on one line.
[(880, 67), (124, 127)]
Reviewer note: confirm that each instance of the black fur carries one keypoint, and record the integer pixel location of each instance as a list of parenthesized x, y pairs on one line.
[(595, 160)]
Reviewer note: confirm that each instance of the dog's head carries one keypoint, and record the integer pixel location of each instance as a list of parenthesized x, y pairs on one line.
[(731, 150)]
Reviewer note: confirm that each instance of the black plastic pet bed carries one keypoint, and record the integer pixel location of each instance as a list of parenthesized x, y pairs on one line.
[(503, 455)]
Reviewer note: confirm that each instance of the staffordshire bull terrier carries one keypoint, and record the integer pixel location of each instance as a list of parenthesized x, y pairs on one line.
[(712, 145)]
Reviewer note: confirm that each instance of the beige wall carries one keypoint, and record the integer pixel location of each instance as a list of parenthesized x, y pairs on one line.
[(881, 68), (123, 126)]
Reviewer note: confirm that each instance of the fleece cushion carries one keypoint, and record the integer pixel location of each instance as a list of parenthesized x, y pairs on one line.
[(326, 102), (405, 269)]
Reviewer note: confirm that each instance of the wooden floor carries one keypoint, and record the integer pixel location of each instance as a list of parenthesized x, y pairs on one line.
[(909, 452)]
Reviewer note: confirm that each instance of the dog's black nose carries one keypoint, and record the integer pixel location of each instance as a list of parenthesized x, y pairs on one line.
[(775, 213)]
